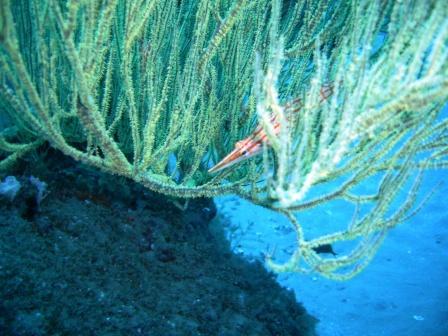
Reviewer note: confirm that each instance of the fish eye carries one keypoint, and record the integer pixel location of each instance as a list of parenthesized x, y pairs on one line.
[(244, 152)]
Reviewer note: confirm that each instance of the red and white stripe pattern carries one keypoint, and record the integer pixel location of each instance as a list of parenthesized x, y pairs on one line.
[(252, 145)]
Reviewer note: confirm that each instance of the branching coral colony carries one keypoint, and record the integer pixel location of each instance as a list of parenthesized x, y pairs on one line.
[(160, 91)]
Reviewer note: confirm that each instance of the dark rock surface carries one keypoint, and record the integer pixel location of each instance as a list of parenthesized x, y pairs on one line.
[(104, 256)]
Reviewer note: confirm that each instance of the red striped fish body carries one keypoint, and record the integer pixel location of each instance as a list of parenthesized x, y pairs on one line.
[(246, 148), (253, 144)]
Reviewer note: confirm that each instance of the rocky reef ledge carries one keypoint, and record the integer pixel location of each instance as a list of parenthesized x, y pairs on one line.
[(100, 255)]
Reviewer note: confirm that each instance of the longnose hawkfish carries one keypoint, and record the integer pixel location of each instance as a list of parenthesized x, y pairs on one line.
[(252, 145)]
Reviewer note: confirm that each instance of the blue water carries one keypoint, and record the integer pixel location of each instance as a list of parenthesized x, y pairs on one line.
[(403, 292)]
